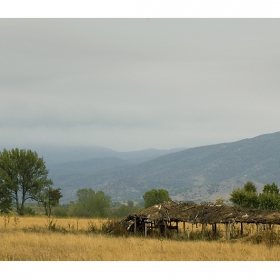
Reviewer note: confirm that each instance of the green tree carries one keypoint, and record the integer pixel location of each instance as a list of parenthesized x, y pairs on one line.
[(125, 210), (250, 187), (154, 197), (245, 197), (49, 198), (270, 198), (24, 175), (91, 204)]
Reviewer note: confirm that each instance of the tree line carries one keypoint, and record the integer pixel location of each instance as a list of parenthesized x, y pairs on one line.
[(248, 197), (24, 177)]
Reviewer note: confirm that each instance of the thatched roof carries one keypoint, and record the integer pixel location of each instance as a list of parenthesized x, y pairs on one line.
[(205, 213)]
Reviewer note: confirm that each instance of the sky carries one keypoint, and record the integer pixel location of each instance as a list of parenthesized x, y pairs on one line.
[(131, 84)]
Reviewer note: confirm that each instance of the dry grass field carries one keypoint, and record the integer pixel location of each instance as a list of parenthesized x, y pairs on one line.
[(30, 239)]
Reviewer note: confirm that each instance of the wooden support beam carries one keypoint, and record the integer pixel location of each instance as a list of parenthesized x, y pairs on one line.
[(188, 233), (184, 227), (202, 228), (214, 228), (177, 226), (227, 231), (232, 230), (145, 229), (135, 225), (241, 229)]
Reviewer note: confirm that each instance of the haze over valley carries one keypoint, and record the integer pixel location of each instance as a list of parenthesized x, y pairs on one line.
[(196, 174)]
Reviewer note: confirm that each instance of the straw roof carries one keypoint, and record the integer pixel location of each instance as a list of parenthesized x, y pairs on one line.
[(204, 213)]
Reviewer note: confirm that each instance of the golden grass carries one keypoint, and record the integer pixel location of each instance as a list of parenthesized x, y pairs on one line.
[(27, 239), (22, 246), (42, 222)]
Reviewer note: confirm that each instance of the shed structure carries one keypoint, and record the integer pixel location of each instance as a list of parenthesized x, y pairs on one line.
[(168, 215)]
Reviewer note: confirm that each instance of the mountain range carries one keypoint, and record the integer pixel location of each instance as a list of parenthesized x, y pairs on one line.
[(191, 174)]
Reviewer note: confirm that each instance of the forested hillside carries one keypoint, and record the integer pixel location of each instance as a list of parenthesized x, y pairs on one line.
[(198, 174)]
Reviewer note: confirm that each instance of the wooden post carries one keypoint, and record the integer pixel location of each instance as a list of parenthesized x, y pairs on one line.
[(231, 230), (227, 232), (241, 229), (177, 226), (257, 227), (214, 228), (202, 228), (184, 227), (145, 229), (188, 233), (135, 225)]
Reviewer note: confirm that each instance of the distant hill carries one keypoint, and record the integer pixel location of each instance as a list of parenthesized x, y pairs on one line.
[(197, 174), (57, 154)]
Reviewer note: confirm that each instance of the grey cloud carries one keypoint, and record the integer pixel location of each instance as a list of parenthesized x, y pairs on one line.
[(137, 83)]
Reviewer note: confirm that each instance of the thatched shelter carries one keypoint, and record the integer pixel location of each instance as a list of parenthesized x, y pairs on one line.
[(168, 214)]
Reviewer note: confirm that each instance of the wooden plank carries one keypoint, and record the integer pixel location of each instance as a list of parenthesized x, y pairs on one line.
[(145, 229)]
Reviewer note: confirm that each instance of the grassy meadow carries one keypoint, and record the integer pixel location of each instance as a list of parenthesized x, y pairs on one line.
[(42, 239)]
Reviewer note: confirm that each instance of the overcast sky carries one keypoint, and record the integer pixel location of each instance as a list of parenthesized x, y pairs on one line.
[(131, 84)]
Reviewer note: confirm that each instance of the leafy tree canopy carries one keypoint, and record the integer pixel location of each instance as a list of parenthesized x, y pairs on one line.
[(154, 197), (245, 197), (248, 197), (271, 189), (269, 198), (250, 187), (91, 204), (24, 175)]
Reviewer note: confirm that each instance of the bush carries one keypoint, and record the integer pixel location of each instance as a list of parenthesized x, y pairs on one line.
[(114, 227)]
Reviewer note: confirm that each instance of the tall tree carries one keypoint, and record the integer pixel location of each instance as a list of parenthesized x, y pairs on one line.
[(245, 197), (154, 197), (24, 175)]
